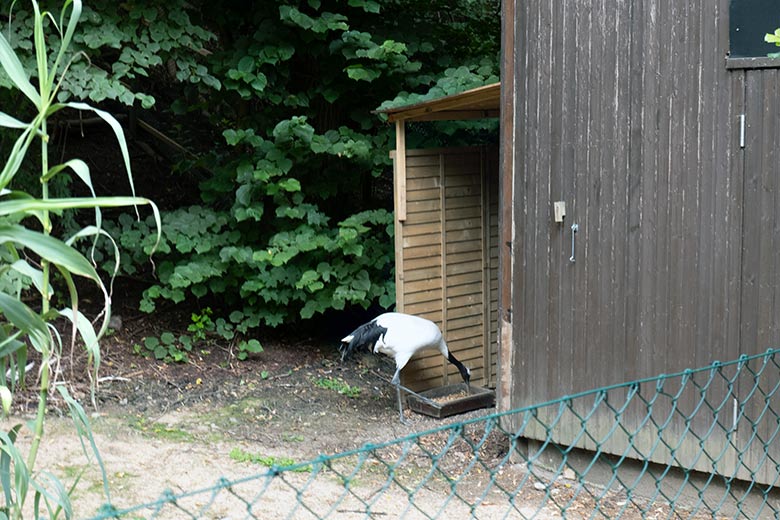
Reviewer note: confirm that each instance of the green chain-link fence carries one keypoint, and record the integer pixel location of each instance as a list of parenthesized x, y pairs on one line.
[(696, 444)]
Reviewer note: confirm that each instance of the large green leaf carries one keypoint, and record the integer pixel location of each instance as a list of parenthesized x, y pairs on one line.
[(24, 319), (117, 128), (9, 454), (7, 121), (49, 248), (16, 156), (15, 71), (24, 205), (41, 55), (35, 275)]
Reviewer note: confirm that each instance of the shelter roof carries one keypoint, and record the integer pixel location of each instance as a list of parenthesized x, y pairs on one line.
[(477, 103)]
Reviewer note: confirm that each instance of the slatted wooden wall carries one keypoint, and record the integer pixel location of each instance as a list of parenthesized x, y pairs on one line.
[(760, 260), (635, 124), (491, 261), (446, 259)]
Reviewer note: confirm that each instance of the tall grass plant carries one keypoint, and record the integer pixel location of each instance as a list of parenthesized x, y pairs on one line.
[(31, 258)]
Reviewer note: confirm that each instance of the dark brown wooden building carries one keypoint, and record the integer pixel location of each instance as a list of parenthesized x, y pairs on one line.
[(656, 125), (662, 138)]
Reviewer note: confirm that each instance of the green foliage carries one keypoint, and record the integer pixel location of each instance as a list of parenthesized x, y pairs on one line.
[(247, 347), (35, 264), (174, 349), (160, 431), (168, 347), (308, 269), (128, 44), (269, 461), (773, 38), (294, 213), (338, 385), (201, 324)]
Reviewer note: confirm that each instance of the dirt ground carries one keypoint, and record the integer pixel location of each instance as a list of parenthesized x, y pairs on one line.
[(181, 427), (173, 426)]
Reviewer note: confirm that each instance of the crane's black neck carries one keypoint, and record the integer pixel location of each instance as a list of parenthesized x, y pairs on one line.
[(465, 373)]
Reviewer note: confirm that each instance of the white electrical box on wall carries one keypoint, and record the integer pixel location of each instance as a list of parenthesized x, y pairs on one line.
[(559, 209)]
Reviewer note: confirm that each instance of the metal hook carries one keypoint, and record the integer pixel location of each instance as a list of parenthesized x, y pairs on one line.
[(574, 229)]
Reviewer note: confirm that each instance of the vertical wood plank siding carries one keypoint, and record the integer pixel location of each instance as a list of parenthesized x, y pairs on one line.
[(449, 255), (760, 327), (626, 112)]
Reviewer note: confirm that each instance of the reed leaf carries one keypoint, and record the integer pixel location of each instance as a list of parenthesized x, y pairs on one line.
[(41, 57), (51, 249), (70, 29), (78, 166), (7, 121), (6, 399), (9, 454), (85, 330), (26, 320), (84, 430), (15, 71), (10, 345), (35, 275), (20, 324), (16, 156), (94, 231), (9, 207), (118, 132)]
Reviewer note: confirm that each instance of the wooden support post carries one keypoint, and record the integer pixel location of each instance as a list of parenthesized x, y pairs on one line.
[(444, 282), (400, 171), (485, 234), (399, 187)]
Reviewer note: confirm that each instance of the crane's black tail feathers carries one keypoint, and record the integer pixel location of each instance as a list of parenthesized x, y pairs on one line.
[(364, 336)]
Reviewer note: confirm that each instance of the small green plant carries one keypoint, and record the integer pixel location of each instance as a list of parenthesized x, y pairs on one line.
[(239, 455), (168, 347), (161, 431), (246, 347), (338, 385), (201, 324), (773, 38)]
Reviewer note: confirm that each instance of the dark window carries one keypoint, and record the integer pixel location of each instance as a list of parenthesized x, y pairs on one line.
[(750, 20)]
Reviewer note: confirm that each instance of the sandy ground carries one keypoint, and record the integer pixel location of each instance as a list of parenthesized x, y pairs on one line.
[(210, 428), (181, 428)]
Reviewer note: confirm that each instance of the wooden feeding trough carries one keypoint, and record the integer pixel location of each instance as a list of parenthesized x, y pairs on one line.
[(448, 400)]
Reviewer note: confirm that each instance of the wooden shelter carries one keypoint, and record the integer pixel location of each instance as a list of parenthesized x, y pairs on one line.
[(446, 232), (661, 136)]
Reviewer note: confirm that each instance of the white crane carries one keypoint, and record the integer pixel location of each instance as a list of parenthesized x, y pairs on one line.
[(400, 336)]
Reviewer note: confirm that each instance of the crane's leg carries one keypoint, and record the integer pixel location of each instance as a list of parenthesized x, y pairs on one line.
[(396, 381), (396, 377), (400, 405)]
